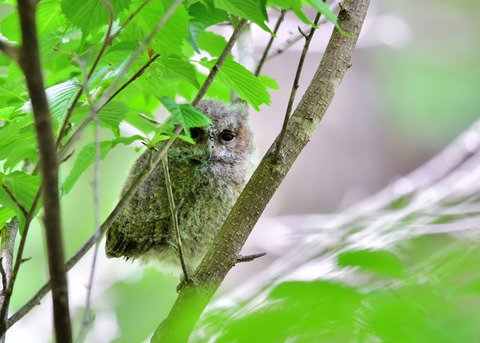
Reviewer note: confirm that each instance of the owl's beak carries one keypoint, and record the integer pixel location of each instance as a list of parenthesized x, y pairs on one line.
[(211, 153)]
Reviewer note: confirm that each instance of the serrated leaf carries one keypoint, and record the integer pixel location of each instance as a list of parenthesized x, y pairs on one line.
[(253, 10), (185, 114), (24, 187), (180, 68), (212, 43), (324, 8), (5, 215), (201, 18), (169, 39), (6, 112), (90, 14), (243, 82), (85, 158), (268, 82), (112, 115), (291, 5), (382, 262), (59, 97)]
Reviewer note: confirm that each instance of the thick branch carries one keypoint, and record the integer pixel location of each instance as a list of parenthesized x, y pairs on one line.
[(30, 64), (226, 247)]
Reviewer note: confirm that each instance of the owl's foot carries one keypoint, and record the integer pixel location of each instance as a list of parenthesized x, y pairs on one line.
[(248, 258)]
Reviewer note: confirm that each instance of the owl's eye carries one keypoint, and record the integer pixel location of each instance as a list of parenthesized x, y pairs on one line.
[(227, 136), (196, 133)]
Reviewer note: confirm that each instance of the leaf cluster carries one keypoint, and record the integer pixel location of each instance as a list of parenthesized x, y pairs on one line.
[(84, 52)]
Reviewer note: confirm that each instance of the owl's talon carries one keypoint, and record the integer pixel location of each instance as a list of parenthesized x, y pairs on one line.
[(249, 258)]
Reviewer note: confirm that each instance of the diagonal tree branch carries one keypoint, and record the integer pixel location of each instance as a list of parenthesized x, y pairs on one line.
[(30, 64), (224, 252)]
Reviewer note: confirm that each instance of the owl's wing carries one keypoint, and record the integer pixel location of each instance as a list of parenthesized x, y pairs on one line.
[(144, 223)]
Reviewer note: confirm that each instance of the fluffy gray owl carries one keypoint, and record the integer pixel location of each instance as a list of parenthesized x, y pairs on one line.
[(208, 176)]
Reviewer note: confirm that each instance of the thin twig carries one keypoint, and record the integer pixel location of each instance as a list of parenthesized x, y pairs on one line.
[(149, 119), (249, 258), (267, 49), (125, 198), (295, 85), (15, 200), (11, 51), (96, 177), (174, 212), (295, 37)]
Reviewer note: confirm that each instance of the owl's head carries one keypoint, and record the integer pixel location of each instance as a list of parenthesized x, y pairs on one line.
[(228, 141)]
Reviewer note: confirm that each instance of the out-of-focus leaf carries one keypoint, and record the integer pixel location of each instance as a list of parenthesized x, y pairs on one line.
[(291, 5), (382, 262), (268, 82), (86, 157), (212, 43), (179, 68), (324, 8), (5, 215)]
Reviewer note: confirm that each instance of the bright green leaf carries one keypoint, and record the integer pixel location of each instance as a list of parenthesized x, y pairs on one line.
[(179, 68), (201, 18), (268, 82), (5, 112), (253, 10), (243, 82), (290, 5), (185, 114), (24, 187), (324, 8), (90, 14), (60, 98), (212, 43), (5, 215), (112, 115)]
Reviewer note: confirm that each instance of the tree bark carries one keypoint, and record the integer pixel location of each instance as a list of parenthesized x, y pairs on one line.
[(226, 247), (30, 64)]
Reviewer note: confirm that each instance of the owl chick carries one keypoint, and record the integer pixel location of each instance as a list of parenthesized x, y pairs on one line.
[(208, 176)]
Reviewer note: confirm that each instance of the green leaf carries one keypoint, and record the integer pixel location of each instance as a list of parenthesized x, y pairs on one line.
[(24, 187), (212, 43), (60, 97), (112, 115), (90, 14), (201, 18), (268, 82), (17, 141), (382, 262), (5, 215), (86, 157), (242, 81), (6, 112), (324, 8), (291, 5), (253, 10), (169, 39), (186, 115), (179, 68)]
